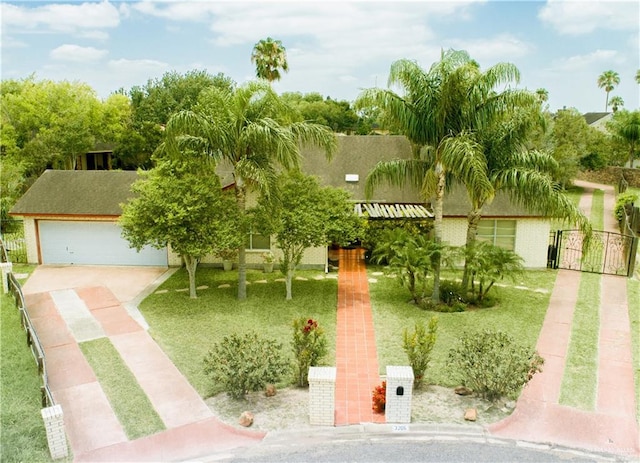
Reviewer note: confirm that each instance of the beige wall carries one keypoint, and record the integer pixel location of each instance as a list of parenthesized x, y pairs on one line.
[(532, 238)]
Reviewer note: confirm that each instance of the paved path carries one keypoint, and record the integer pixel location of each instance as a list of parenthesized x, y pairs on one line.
[(65, 317), (612, 426), (357, 370)]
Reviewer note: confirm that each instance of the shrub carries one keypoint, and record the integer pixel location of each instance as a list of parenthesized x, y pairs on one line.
[(622, 200), (379, 398), (245, 363), (309, 346), (492, 364), (418, 346)]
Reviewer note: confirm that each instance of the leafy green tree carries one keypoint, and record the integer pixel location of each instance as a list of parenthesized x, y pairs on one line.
[(152, 104), (608, 80), (616, 103), (269, 56), (302, 214), (569, 143), (638, 76), (180, 204), (625, 127), (249, 131), (312, 107)]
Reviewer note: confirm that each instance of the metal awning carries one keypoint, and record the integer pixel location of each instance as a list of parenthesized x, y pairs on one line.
[(377, 210)]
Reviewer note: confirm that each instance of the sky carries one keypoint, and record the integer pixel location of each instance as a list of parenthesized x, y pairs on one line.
[(334, 48)]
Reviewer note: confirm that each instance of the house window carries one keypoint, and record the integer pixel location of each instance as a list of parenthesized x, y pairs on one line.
[(256, 241), (501, 233)]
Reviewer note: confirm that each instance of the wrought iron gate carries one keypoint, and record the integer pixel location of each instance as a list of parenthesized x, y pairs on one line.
[(607, 253)]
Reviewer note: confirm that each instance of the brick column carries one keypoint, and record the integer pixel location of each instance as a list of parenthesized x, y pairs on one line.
[(56, 437), (322, 386), (399, 392)]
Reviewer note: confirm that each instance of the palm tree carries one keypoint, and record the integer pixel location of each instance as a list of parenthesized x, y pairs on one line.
[(431, 114), (247, 129), (608, 80), (543, 95), (616, 102), (626, 128), (269, 56), (638, 76)]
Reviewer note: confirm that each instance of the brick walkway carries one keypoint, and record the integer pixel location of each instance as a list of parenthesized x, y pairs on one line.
[(612, 426), (356, 354)]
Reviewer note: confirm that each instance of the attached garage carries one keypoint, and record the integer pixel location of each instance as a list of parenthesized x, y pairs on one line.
[(71, 217), (92, 243)]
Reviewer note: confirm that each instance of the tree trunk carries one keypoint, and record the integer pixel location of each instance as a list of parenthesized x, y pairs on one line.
[(288, 282), (191, 264), (437, 227), (473, 218), (241, 201)]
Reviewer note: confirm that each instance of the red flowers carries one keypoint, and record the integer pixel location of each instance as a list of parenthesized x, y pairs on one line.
[(311, 325), (379, 398)]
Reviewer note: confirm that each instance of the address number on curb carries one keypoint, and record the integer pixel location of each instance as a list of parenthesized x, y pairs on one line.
[(400, 428)]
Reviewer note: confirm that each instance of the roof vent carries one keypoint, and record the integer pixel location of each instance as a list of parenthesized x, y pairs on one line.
[(351, 178)]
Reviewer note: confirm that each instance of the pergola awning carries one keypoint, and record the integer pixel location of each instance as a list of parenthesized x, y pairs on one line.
[(377, 210)]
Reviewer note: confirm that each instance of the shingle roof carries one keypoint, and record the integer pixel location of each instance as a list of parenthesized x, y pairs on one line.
[(77, 192), (594, 117)]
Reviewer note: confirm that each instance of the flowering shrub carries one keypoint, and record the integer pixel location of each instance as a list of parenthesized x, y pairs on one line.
[(309, 346), (379, 398), (418, 346)]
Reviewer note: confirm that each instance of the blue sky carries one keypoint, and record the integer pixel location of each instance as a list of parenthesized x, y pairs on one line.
[(335, 48)]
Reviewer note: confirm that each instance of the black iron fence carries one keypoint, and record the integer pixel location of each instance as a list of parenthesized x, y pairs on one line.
[(606, 252), (15, 289)]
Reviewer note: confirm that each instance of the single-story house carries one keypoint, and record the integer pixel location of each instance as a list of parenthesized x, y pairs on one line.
[(70, 217)]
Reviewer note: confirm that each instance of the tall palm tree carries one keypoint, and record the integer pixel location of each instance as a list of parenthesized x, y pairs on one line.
[(608, 80), (638, 76), (249, 130), (616, 102), (542, 94), (269, 56), (430, 113)]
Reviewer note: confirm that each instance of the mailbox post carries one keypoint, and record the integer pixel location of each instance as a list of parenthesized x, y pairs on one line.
[(399, 392)]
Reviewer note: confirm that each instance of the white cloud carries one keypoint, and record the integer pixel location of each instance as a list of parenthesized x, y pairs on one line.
[(579, 17), (504, 47), (582, 62), (76, 53), (142, 69), (69, 18)]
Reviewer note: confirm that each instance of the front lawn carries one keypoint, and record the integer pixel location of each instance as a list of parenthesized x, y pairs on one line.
[(186, 329), (520, 313)]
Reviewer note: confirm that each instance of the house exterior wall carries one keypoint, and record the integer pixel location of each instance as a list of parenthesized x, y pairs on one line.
[(31, 239), (531, 238)]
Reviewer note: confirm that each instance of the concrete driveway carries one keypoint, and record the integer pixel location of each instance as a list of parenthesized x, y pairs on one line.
[(126, 283)]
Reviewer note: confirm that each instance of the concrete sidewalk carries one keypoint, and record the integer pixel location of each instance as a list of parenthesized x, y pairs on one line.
[(65, 317)]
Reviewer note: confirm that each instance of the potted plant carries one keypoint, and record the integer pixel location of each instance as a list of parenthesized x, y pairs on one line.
[(227, 256), (267, 261)]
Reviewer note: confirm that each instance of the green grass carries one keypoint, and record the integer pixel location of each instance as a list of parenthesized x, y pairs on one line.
[(597, 210), (580, 380), (633, 299), (128, 400), (187, 329), (22, 436), (519, 313)]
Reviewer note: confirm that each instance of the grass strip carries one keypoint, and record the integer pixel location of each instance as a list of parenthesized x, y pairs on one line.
[(23, 437), (519, 312), (129, 402), (187, 329), (597, 210), (633, 299), (580, 380)]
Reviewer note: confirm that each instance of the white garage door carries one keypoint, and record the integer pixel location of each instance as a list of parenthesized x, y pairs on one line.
[(92, 243)]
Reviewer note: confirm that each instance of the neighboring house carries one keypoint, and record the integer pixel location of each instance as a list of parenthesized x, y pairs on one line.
[(71, 216), (598, 120), (100, 158)]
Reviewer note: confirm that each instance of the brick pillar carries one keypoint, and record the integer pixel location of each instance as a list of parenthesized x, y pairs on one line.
[(322, 386), (7, 268), (56, 437), (399, 392)]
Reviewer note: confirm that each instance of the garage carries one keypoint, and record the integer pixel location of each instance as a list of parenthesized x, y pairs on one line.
[(92, 243)]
